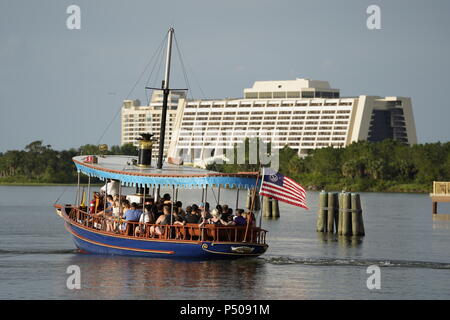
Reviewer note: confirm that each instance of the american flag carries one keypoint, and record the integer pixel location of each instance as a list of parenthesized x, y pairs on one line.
[(282, 188)]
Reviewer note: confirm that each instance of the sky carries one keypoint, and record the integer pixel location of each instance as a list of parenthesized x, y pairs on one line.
[(66, 86)]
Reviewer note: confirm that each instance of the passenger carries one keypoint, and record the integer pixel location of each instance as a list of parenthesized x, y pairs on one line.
[(230, 221), (165, 219), (229, 217), (216, 219), (204, 206), (94, 205), (132, 214), (166, 198), (250, 217), (111, 217), (203, 218), (225, 209), (159, 210), (225, 212), (191, 215), (153, 207), (125, 208), (146, 217), (109, 206), (117, 213), (239, 220), (180, 212), (106, 222), (177, 218)]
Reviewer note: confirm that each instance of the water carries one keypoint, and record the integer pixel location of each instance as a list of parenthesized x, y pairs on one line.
[(412, 250)]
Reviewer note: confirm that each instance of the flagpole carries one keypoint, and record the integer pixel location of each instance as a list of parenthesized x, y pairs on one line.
[(252, 205)]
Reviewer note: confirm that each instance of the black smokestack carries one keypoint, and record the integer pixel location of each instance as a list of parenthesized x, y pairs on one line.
[(145, 150)]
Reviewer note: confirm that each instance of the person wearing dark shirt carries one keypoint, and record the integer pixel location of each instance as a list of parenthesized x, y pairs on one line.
[(239, 220), (191, 216)]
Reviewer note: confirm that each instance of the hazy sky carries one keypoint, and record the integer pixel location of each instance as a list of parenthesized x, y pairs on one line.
[(64, 86)]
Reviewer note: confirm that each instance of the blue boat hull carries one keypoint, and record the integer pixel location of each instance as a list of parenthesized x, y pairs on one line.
[(97, 242)]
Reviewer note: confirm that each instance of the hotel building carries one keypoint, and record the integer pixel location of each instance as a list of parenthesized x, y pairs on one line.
[(136, 119), (303, 114)]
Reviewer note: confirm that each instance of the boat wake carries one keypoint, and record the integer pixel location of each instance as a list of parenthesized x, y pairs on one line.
[(356, 262), (21, 252)]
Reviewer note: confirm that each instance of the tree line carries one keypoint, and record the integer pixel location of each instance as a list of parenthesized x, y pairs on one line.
[(387, 165), (362, 166), (39, 163)]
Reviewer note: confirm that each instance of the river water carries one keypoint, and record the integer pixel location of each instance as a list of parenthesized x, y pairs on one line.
[(411, 249)]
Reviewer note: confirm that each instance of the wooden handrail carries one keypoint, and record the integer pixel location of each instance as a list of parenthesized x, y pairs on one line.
[(189, 231)]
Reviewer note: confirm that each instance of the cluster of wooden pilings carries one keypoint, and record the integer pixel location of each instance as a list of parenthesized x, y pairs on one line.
[(271, 209), (270, 206), (340, 213)]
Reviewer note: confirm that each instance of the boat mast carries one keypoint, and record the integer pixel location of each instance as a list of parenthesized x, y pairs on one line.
[(166, 91)]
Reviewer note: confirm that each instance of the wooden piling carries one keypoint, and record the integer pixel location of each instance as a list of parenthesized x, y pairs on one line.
[(346, 215), (257, 205), (357, 221), (341, 213), (267, 207), (275, 209), (322, 214), (248, 199), (332, 212)]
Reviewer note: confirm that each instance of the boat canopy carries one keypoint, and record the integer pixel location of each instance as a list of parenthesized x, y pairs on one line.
[(123, 169)]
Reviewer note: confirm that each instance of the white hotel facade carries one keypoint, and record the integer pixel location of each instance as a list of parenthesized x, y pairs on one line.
[(303, 114)]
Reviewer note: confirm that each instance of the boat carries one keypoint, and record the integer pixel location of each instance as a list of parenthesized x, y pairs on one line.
[(92, 231)]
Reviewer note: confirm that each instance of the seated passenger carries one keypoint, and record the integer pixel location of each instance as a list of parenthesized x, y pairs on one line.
[(146, 217), (116, 214), (180, 212), (165, 219), (132, 214), (229, 217), (166, 198), (250, 217), (109, 206), (225, 212), (216, 219), (113, 216), (153, 207), (204, 206), (239, 220), (159, 210), (191, 216), (177, 218), (225, 209), (204, 216)]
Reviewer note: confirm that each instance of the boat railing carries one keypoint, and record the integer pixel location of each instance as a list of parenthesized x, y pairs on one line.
[(186, 232)]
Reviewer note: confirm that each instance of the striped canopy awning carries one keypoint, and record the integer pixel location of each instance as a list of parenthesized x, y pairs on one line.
[(121, 168)]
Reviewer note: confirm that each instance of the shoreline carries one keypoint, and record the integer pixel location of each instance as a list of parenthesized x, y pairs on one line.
[(45, 184)]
